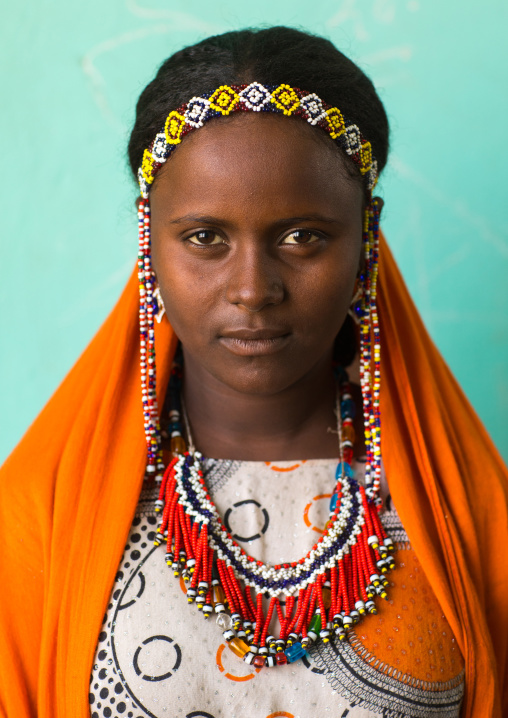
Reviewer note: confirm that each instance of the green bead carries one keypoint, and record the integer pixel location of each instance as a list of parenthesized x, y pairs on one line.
[(315, 624)]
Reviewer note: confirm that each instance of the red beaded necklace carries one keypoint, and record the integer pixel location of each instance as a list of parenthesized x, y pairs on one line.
[(327, 591)]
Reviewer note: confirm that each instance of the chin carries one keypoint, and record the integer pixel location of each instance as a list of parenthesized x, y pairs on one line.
[(261, 375)]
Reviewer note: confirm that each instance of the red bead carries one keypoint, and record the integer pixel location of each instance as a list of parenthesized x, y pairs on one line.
[(281, 659), (347, 453), (259, 661)]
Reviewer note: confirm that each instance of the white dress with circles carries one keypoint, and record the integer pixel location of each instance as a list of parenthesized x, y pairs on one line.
[(157, 656)]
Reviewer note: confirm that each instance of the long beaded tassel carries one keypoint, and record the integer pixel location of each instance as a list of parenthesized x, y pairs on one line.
[(370, 371), (328, 591), (147, 311)]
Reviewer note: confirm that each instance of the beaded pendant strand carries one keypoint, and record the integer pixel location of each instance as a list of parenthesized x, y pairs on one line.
[(327, 591)]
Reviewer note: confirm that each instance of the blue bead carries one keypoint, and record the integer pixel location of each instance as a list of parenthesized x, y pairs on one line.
[(340, 375), (347, 409), (333, 501), (348, 471), (294, 652)]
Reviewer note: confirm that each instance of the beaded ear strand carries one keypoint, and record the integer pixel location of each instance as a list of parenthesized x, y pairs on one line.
[(370, 371), (147, 311), (334, 585)]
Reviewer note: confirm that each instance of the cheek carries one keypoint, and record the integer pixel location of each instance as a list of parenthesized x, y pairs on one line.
[(324, 297), (188, 298)]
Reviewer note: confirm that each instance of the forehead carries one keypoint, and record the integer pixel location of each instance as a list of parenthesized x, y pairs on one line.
[(253, 158)]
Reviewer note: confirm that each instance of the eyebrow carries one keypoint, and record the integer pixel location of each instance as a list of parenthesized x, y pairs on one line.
[(210, 219)]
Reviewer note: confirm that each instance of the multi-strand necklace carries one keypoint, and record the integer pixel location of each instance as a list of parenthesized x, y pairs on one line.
[(326, 592)]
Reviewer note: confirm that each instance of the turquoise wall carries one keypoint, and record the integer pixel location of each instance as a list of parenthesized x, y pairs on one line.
[(71, 73)]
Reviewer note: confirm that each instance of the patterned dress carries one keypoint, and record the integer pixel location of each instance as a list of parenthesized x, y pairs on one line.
[(158, 657)]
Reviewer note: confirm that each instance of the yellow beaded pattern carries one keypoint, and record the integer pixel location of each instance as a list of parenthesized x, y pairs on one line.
[(256, 97), (365, 157), (286, 99), (175, 125), (147, 166), (224, 100), (335, 122)]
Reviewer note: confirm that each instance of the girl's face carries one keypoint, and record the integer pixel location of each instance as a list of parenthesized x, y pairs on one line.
[(256, 241)]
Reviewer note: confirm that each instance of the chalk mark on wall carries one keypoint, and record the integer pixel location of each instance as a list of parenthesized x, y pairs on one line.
[(456, 206), (401, 54), (180, 22), (349, 12), (382, 11), (95, 77)]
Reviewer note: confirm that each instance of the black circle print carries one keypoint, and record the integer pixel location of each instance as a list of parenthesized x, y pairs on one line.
[(138, 595), (308, 664), (199, 714), (175, 646), (264, 518)]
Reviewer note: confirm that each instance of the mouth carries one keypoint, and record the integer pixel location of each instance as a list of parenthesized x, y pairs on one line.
[(254, 342)]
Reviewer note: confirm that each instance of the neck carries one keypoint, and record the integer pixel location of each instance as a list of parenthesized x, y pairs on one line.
[(296, 423)]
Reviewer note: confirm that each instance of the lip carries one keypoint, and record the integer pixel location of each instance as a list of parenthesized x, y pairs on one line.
[(254, 342)]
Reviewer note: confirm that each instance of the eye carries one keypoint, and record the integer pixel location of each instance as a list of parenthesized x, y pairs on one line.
[(205, 238), (301, 236)]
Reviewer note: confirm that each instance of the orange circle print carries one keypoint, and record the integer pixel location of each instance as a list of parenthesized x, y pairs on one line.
[(285, 468), (306, 510), (231, 677)]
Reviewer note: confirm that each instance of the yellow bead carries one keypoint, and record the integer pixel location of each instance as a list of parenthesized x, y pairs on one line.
[(239, 647), (348, 433)]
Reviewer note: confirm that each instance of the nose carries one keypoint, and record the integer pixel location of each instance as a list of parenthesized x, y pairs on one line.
[(254, 279)]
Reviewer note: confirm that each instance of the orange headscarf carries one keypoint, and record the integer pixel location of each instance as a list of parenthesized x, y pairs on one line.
[(69, 491)]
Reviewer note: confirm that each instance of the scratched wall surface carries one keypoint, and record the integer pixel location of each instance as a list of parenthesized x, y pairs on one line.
[(71, 73)]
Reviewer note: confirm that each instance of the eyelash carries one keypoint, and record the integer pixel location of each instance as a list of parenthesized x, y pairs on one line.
[(312, 234), (203, 231), (315, 236)]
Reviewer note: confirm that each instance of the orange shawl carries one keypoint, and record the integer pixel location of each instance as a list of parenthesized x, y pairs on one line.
[(69, 491)]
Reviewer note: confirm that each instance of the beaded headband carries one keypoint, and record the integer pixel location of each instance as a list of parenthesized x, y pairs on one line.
[(281, 99)]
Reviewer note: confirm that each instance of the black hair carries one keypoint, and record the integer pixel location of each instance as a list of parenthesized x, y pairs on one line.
[(271, 56)]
